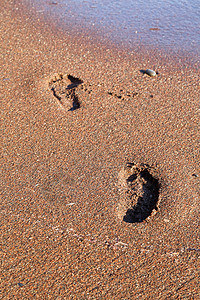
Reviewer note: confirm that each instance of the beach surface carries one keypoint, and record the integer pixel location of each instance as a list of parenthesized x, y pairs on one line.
[(76, 113)]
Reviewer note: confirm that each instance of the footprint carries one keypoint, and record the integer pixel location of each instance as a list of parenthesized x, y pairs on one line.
[(123, 95), (56, 185), (139, 193), (67, 90), (64, 89)]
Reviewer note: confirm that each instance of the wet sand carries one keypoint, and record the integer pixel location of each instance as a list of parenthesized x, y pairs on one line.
[(62, 229)]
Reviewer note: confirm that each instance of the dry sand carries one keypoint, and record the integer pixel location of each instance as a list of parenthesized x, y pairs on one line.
[(62, 229)]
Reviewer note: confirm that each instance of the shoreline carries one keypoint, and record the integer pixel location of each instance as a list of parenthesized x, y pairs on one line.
[(48, 13), (61, 234), (85, 37)]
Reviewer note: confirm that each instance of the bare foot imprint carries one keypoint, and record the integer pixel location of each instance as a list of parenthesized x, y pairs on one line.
[(139, 193), (64, 89), (68, 90), (123, 95)]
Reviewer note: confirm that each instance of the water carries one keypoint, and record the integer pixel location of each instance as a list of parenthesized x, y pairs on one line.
[(172, 24)]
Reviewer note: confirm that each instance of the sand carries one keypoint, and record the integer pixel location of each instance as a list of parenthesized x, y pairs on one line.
[(62, 230)]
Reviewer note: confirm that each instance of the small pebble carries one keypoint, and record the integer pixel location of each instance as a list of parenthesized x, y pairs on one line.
[(150, 72)]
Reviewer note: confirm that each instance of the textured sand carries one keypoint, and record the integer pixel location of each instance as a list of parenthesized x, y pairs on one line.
[(62, 236)]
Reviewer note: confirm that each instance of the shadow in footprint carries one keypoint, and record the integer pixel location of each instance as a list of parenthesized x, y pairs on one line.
[(74, 82), (71, 87), (75, 101), (143, 193)]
